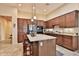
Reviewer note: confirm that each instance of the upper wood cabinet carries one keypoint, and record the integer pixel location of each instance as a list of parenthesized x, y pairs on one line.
[(41, 23), (71, 19), (62, 21), (50, 23), (47, 24), (28, 21), (56, 21), (68, 20)]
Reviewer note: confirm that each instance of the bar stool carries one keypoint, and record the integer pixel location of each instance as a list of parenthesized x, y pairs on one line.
[(27, 47)]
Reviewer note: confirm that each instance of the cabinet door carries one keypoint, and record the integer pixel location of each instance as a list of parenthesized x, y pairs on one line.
[(59, 40), (35, 48), (40, 23), (67, 42), (20, 37), (44, 24), (47, 24), (70, 19), (56, 21), (22, 24), (62, 22), (28, 21), (50, 23)]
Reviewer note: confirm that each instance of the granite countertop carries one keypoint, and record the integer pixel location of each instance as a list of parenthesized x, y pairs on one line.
[(40, 37), (68, 34)]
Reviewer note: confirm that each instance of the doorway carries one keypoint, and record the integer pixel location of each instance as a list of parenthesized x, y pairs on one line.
[(5, 29)]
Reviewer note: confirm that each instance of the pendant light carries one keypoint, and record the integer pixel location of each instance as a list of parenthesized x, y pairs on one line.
[(33, 12), (33, 20)]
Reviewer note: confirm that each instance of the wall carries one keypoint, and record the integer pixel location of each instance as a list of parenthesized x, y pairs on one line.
[(7, 11), (28, 15)]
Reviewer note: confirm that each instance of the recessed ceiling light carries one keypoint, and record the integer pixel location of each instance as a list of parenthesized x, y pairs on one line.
[(33, 7), (19, 4), (45, 10), (47, 4)]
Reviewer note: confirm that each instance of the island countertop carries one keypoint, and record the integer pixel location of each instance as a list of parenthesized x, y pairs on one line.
[(40, 37)]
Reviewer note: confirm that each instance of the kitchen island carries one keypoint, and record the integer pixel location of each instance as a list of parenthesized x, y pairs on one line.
[(43, 45)]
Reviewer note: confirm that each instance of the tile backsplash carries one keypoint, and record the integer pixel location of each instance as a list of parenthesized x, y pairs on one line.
[(64, 30)]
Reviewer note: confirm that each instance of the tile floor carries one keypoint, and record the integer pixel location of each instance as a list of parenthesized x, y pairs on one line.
[(5, 47), (66, 52)]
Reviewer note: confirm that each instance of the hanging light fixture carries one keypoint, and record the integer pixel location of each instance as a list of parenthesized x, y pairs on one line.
[(33, 20), (33, 12)]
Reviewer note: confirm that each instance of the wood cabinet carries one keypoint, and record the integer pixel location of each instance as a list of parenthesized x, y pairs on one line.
[(47, 24), (56, 21), (47, 49), (21, 26), (28, 21), (20, 30), (62, 21), (35, 49), (68, 20), (71, 19), (50, 23), (67, 42), (41, 23), (59, 40), (70, 42)]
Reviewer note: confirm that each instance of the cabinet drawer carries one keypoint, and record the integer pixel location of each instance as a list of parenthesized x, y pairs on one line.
[(67, 41)]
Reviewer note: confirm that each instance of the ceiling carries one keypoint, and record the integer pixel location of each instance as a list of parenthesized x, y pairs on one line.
[(41, 8)]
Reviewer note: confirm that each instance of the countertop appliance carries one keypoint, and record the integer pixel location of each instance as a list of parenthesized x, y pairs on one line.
[(39, 29)]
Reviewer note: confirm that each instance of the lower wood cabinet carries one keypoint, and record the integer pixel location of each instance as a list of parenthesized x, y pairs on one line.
[(48, 48), (59, 40), (35, 47), (69, 42), (40, 48)]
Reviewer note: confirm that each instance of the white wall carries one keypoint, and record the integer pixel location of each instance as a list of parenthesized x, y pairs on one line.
[(28, 15), (6, 11)]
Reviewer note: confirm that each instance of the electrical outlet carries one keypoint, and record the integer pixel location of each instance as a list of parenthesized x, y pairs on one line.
[(41, 43)]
